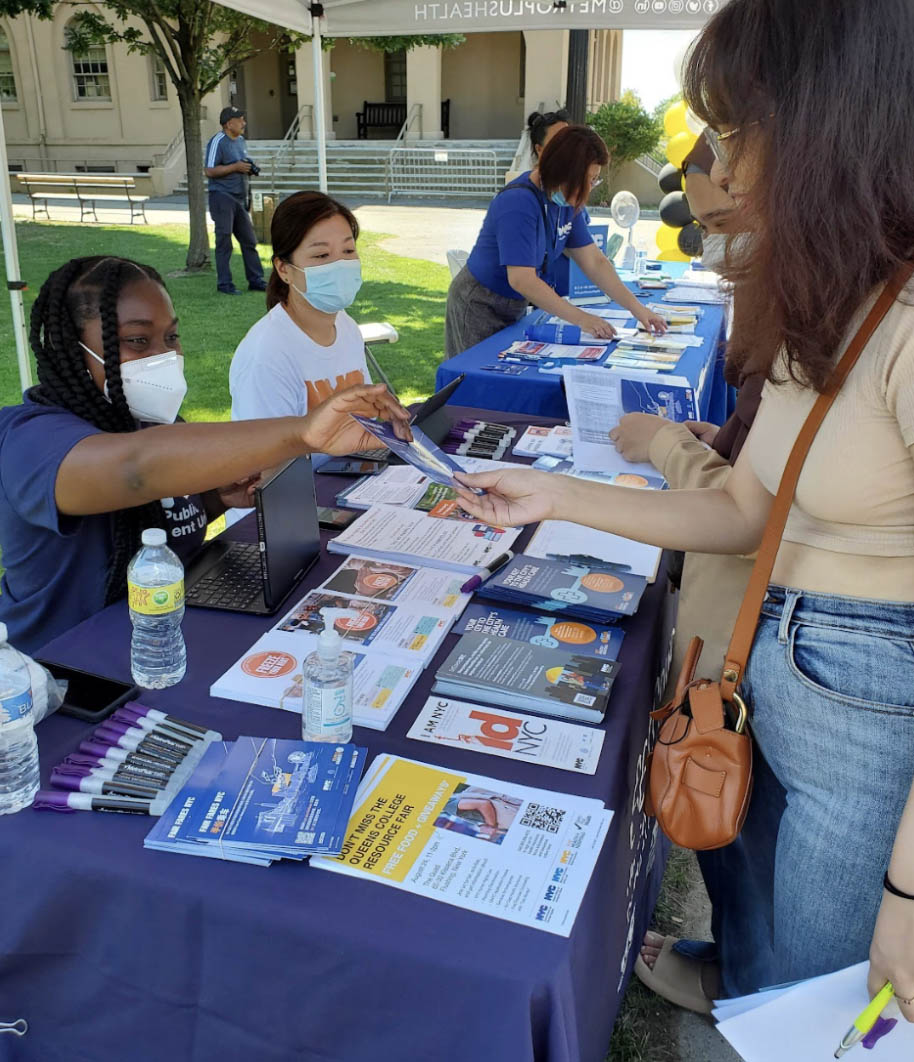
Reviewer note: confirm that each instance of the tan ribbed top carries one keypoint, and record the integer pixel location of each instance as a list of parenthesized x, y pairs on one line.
[(855, 496)]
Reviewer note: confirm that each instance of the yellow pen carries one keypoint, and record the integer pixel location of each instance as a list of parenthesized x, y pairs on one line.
[(865, 1022)]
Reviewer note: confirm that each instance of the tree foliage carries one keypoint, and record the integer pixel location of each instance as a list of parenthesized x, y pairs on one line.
[(398, 44), (627, 130)]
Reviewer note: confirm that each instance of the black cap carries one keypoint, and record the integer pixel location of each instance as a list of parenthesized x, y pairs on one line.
[(228, 113)]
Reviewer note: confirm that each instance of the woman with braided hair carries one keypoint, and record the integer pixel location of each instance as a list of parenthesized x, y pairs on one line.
[(79, 480)]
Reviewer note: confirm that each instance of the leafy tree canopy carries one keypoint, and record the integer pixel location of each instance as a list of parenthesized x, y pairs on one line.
[(398, 44)]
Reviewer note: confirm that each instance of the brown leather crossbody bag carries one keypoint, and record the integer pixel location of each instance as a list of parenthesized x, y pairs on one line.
[(701, 767)]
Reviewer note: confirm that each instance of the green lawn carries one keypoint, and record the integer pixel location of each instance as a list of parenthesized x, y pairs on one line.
[(409, 293)]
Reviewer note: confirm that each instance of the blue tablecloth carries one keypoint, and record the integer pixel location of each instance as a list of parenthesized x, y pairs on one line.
[(540, 394), (112, 952)]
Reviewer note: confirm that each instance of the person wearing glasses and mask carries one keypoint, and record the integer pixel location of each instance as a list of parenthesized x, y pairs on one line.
[(306, 347), (528, 226)]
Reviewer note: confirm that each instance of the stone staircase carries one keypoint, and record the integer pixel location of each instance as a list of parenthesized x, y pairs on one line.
[(382, 169)]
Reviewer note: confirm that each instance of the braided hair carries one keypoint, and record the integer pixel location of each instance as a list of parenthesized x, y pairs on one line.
[(79, 291)]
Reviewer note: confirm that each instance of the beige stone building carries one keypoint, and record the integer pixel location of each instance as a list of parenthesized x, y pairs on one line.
[(109, 111)]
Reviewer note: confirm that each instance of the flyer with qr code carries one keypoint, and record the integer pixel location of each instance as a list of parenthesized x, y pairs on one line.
[(498, 848)]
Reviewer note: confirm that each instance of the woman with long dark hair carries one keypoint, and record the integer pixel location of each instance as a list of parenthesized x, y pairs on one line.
[(79, 480), (307, 346), (529, 225), (809, 107)]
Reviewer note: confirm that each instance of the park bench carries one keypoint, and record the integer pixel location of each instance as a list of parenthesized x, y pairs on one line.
[(393, 115), (86, 189)]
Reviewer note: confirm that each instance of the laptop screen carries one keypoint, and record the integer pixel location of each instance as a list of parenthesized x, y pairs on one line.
[(287, 527)]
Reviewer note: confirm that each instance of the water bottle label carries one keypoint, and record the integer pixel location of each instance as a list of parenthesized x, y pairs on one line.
[(326, 709), (155, 600), (17, 706)]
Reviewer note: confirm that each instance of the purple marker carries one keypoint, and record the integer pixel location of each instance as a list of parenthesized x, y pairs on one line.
[(48, 800), (128, 769), (134, 744), (476, 581), (99, 784), (161, 717), (110, 754), (180, 746)]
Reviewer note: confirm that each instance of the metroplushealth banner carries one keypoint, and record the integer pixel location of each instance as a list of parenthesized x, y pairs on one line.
[(378, 18)]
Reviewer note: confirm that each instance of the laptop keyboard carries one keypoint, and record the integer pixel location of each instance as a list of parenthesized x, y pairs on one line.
[(235, 582), (380, 454)]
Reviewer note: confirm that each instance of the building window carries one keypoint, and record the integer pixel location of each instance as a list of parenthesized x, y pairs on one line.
[(159, 79), (90, 74), (395, 76), (7, 79)]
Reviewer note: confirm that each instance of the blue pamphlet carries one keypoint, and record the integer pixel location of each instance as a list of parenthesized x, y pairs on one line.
[(551, 632), (421, 453)]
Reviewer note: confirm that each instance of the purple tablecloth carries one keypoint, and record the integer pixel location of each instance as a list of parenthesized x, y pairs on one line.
[(119, 954)]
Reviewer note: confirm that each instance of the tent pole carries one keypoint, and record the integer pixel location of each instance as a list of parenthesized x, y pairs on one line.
[(11, 255), (317, 61)]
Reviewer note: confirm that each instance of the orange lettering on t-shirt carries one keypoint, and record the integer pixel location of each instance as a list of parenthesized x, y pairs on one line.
[(320, 390)]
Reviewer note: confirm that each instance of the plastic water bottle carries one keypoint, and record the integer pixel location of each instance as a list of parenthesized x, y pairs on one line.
[(327, 697), (18, 746), (155, 593)]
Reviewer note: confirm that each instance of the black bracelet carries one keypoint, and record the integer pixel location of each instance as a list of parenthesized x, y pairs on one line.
[(889, 887)]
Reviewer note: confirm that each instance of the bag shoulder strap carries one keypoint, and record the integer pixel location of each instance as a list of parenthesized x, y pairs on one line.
[(747, 619)]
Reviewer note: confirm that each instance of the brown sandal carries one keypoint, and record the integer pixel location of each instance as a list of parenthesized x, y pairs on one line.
[(682, 980)]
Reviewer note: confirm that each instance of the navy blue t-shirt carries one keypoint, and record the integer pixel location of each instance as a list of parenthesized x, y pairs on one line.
[(55, 565), (519, 229), (222, 150)]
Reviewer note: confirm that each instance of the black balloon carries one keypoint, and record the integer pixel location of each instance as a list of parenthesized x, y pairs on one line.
[(689, 241), (670, 178), (675, 210)]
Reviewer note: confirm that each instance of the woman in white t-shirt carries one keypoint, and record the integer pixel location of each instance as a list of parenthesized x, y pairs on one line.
[(307, 346)]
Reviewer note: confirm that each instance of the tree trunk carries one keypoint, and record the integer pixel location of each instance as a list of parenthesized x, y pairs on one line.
[(198, 248)]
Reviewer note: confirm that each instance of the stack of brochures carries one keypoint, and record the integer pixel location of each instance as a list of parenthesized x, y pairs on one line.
[(406, 536), (501, 849), (257, 799), (509, 734), (529, 350), (621, 478), (551, 632), (392, 617), (566, 587), (565, 682), (537, 441)]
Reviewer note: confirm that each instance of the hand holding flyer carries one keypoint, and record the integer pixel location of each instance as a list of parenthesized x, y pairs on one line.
[(421, 453)]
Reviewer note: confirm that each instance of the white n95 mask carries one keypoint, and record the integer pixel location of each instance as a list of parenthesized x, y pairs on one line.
[(714, 250), (154, 387), (331, 287)]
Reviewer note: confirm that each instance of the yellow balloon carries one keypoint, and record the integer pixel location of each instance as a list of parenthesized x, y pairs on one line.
[(679, 146), (673, 256), (674, 120), (667, 238)]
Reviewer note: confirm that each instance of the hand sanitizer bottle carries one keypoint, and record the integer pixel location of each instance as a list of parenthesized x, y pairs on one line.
[(327, 697)]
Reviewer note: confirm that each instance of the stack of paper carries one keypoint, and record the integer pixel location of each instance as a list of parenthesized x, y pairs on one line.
[(529, 350), (807, 1021), (570, 589), (517, 625), (494, 847), (260, 799), (393, 616), (537, 440), (580, 546)]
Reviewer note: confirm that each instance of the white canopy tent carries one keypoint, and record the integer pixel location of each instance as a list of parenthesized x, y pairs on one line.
[(384, 18)]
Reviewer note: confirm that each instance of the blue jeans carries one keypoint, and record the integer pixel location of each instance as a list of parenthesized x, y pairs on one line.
[(830, 685)]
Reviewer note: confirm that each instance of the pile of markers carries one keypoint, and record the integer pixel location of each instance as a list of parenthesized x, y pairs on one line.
[(134, 762), (479, 438)]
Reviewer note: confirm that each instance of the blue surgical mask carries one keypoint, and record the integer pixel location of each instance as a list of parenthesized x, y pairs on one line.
[(559, 198), (331, 287)]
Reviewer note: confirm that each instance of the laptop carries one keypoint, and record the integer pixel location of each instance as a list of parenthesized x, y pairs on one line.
[(257, 577), (430, 417)]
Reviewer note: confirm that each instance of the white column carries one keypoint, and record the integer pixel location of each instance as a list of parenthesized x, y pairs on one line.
[(304, 84), (423, 85), (546, 69)]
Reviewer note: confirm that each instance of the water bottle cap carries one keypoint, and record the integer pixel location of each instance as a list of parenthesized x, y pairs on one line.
[(154, 536)]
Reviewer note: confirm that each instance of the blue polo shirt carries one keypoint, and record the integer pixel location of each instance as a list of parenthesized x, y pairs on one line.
[(56, 566), (521, 228), (222, 150)]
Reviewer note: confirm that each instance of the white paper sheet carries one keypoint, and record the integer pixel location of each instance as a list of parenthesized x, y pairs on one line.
[(560, 538), (807, 1022)]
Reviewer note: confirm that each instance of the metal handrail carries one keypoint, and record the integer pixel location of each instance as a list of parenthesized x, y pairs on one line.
[(414, 112), (177, 144)]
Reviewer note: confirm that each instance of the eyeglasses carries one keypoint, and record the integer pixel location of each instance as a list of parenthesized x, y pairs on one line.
[(596, 182), (716, 140)]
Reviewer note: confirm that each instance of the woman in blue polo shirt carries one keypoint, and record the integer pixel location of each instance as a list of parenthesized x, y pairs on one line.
[(529, 224)]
